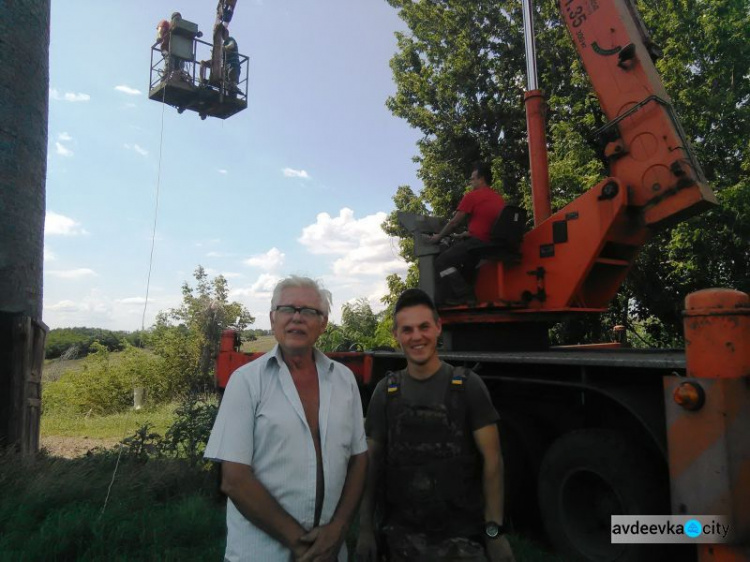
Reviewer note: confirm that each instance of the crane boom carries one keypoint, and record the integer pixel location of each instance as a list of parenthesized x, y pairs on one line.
[(224, 13)]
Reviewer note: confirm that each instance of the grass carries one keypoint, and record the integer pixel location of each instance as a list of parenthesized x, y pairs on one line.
[(52, 509), (263, 343), (55, 368), (161, 509), (115, 426)]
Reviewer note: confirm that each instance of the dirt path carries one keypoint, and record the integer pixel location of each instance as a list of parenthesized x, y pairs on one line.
[(72, 447)]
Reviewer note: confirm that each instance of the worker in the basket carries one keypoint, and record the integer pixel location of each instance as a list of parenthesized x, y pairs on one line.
[(173, 66), (231, 64)]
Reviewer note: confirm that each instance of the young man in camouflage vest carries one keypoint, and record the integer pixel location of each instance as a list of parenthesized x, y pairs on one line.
[(435, 461)]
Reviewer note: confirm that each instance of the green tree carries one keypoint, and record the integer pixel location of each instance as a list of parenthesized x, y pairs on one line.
[(460, 74), (60, 341), (359, 329), (706, 69), (190, 334), (104, 383), (181, 350), (332, 339)]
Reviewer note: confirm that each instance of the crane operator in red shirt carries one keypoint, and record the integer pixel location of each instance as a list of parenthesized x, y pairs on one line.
[(457, 263)]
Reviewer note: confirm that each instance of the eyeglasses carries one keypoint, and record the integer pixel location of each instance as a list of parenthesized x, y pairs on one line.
[(304, 311)]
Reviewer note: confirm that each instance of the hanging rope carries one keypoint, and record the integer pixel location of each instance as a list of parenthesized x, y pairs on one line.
[(156, 211), (148, 282)]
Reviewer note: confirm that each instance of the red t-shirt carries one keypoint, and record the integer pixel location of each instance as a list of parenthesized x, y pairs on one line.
[(483, 206)]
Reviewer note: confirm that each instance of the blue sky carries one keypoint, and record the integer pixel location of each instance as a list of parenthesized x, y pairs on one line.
[(299, 182)]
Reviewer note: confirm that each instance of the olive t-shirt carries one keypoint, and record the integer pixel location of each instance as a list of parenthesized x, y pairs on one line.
[(479, 406)]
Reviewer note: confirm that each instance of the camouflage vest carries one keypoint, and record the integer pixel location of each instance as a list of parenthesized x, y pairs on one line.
[(433, 468)]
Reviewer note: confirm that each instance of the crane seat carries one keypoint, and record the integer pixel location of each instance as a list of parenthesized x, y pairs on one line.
[(505, 237)]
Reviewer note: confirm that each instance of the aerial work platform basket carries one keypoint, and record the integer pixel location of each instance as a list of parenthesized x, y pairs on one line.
[(181, 77)]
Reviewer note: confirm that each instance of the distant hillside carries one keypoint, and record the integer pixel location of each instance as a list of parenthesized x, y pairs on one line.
[(73, 343)]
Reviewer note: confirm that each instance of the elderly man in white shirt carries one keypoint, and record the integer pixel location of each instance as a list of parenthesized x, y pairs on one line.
[(290, 437)]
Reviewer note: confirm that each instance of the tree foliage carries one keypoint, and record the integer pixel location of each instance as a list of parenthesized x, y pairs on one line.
[(706, 69), (360, 329), (76, 342), (104, 385), (181, 347), (188, 336), (460, 76)]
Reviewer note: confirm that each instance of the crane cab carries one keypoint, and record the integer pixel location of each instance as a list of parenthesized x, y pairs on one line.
[(181, 74)]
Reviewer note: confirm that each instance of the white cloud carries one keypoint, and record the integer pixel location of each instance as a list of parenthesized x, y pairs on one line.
[(257, 297), (292, 173), (223, 172), (65, 306), (72, 273), (140, 301), (226, 274), (49, 256), (62, 150), (362, 246), (261, 289), (56, 224), (272, 260), (68, 96), (140, 150), (64, 137), (96, 308), (217, 254), (128, 90)]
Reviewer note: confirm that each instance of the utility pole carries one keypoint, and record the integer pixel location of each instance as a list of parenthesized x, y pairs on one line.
[(24, 94)]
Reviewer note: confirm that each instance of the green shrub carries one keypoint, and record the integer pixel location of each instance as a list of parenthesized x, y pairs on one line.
[(79, 341), (188, 435), (181, 350), (103, 386)]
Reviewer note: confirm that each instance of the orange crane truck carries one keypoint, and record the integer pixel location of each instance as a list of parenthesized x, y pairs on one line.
[(594, 431)]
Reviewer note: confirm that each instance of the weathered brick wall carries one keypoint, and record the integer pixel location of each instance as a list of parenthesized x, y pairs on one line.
[(24, 86)]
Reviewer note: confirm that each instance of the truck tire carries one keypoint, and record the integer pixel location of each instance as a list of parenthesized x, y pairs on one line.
[(585, 477)]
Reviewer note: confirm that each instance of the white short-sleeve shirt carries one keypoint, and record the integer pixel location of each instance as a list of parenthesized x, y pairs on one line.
[(261, 423)]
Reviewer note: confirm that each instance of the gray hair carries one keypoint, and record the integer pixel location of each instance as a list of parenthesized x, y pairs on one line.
[(294, 282)]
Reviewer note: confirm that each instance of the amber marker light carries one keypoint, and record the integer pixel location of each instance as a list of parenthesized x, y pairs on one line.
[(690, 396)]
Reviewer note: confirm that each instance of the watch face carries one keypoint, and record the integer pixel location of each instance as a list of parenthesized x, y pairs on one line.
[(492, 530)]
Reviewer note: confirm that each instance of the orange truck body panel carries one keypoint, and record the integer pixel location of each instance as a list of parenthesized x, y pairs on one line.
[(709, 447)]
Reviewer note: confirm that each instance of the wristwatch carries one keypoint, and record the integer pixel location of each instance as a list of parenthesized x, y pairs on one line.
[(493, 530)]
